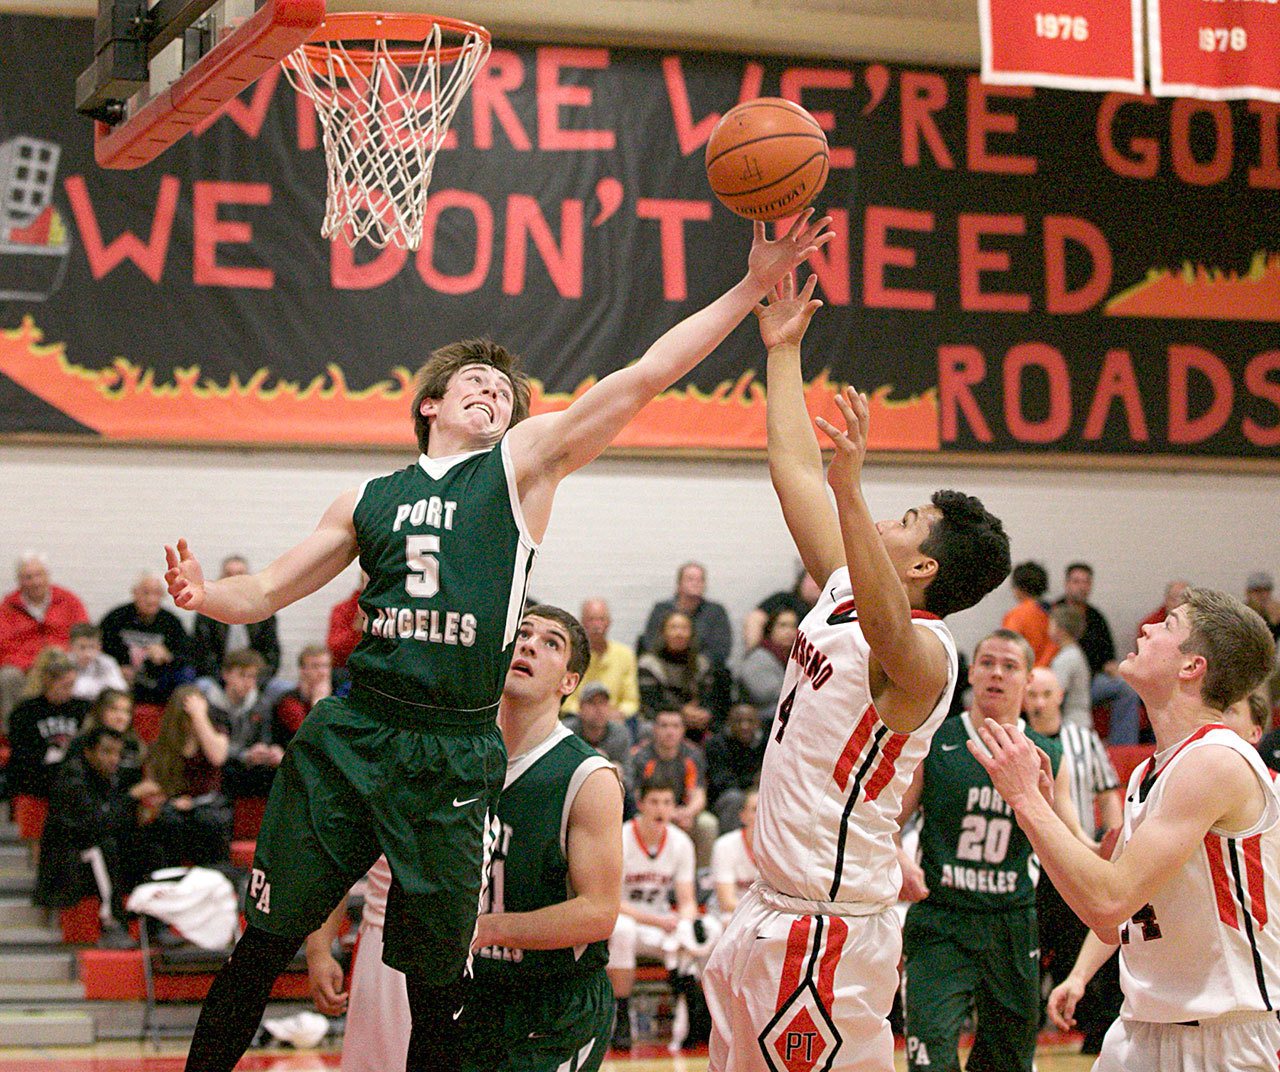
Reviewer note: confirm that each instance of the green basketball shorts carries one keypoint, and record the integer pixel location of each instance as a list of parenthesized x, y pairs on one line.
[(559, 1024), (360, 779), (955, 959)]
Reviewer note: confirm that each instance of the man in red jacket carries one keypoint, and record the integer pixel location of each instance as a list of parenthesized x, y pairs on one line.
[(33, 616)]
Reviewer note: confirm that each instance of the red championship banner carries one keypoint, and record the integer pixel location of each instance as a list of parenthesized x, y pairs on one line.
[(1062, 44), (1215, 49)]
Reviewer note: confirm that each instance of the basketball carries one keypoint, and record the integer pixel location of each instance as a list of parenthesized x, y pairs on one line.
[(767, 158)]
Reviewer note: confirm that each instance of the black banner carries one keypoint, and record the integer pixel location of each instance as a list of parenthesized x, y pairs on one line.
[(1014, 269)]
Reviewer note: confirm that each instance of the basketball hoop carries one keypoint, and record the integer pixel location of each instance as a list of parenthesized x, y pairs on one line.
[(386, 87)]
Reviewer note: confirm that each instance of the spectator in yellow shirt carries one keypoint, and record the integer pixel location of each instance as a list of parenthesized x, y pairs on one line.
[(613, 664)]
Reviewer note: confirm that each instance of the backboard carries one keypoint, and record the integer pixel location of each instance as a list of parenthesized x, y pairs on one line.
[(161, 67)]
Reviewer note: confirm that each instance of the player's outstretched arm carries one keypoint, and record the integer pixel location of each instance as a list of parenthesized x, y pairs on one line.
[(253, 597), (550, 446), (795, 459), (594, 846), (1215, 787), (1067, 994), (913, 659)]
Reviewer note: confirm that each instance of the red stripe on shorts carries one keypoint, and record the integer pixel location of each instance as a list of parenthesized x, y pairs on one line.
[(837, 932), (1221, 882), (1257, 881), (888, 764), (797, 946), (853, 748)]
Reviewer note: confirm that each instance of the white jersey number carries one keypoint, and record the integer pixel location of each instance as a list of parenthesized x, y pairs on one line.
[(983, 840), (424, 576)]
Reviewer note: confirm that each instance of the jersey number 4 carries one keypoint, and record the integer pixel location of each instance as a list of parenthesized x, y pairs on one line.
[(1145, 917), (420, 552), (784, 712)]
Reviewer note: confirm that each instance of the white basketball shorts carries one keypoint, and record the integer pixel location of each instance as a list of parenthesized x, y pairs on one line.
[(791, 992), (1247, 1043), (378, 1022)]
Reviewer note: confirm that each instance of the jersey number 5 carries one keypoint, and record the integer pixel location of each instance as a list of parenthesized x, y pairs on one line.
[(420, 552)]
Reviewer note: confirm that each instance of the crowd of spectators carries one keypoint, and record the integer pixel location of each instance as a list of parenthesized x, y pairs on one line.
[(219, 709), (124, 745)]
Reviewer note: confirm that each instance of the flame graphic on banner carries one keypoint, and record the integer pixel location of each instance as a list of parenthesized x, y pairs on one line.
[(1201, 293), (126, 401)]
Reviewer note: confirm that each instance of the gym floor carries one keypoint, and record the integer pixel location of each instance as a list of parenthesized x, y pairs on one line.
[(133, 1057)]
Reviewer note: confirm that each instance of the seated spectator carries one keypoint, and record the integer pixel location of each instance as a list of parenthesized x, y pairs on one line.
[(734, 758), (1258, 587), (114, 710), (799, 599), (190, 818), (1249, 718), (1100, 650), (1069, 666), (1173, 593), (657, 894), (251, 757), (710, 620), (733, 859), (212, 640), (316, 680), (1260, 714), (148, 642), (669, 757), (90, 844), (595, 724), (34, 616), (1029, 618), (43, 724), (613, 664), (95, 669), (677, 676), (760, 675), (346, 626)]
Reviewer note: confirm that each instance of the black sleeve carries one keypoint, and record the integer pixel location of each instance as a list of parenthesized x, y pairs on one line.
[(266, 642), (205, 648), (111, 642)]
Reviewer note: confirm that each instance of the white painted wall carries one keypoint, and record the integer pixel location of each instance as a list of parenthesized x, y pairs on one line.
[(622, 525)]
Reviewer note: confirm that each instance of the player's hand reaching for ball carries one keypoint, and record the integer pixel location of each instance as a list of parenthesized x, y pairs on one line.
[(772, 259), (850, 442), (184, 576), (1063, 1001), (784, 315)]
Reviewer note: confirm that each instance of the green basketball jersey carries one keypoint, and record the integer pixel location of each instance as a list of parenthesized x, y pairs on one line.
[(974, 854), (448, 558), (529, 867)]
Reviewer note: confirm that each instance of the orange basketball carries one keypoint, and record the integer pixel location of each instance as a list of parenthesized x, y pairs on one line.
[(767, 158)]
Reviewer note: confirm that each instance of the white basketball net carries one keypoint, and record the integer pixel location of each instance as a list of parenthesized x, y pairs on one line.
[(384, 120)]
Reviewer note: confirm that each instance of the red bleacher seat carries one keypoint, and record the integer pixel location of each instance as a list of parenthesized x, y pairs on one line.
[(247, 817), (146, 721), (242, 853), (111, 975), (1126, 757), (29, 813)]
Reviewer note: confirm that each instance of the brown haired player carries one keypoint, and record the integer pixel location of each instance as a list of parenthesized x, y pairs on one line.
[(411, 763)]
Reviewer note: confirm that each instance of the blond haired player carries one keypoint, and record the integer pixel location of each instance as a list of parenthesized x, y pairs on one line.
[(806, 971), (1190, 890)]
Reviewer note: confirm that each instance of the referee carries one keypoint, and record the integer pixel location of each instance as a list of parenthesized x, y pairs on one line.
[(1095, 792)]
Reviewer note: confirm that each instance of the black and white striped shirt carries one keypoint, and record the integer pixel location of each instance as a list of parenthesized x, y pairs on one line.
[(1089, 768)]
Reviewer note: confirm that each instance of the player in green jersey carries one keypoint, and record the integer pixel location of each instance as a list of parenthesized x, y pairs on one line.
[(541, 999), (971, 939), (447, 544)]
